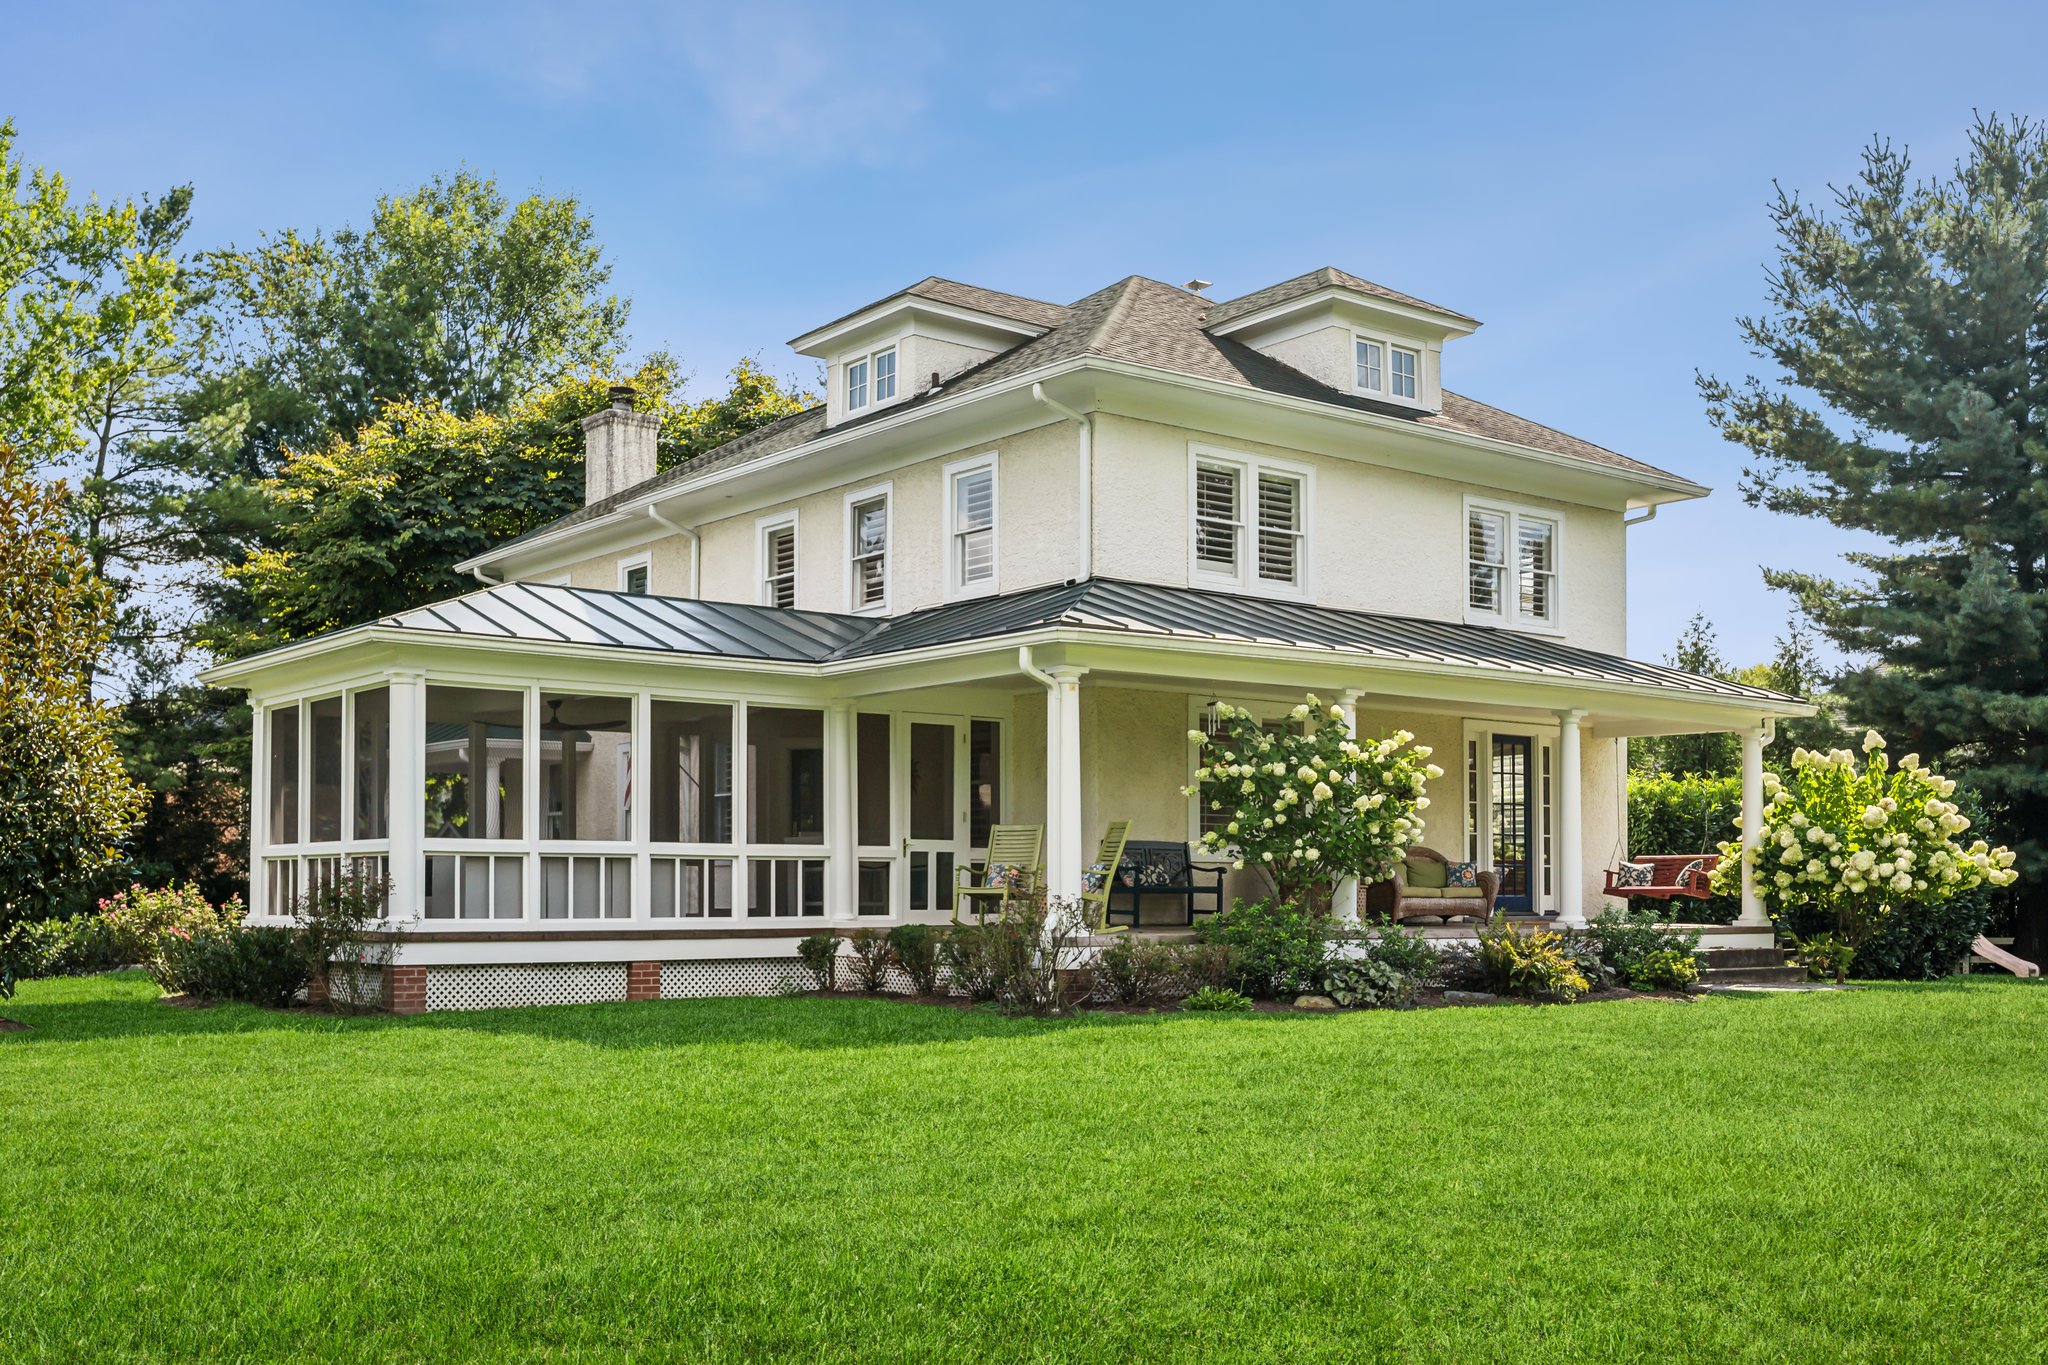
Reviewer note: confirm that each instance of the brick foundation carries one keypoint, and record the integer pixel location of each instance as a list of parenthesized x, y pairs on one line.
[(405, 990), (643, 981), (316, 989)]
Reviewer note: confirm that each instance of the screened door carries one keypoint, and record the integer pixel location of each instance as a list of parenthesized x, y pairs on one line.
[(936, 841), (1514, 819)]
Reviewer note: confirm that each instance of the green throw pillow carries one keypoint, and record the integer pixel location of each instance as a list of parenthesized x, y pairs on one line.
[(1424, 874)]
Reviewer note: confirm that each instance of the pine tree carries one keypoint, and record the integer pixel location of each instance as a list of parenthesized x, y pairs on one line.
[(1711, 754), (1909, 324)]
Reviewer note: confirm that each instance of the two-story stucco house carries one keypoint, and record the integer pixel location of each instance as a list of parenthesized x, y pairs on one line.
[(996, 576)]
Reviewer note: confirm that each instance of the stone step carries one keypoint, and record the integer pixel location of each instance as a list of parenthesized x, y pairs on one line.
[(1742, 957), (1751, 976)]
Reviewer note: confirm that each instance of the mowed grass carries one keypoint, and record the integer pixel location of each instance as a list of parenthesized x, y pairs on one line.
[(1799, 1177)]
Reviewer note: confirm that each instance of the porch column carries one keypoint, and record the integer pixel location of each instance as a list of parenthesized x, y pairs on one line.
[(1063, 782), (1571, 890), (1753, 742), (408, 768), (1346, 903), (840, 865)]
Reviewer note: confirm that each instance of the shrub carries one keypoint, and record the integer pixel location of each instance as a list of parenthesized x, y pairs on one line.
[(338, 925), (872, 958), (1201, 964), (1629, 940), (1275, 950), (140, 917), (1216, 1000), (1408, 953), (1137, 971), (970, 957), (820, 956), (1367, 983), (62, 947), (1825, 957), (1534, 966), (1689, 814), (916, 950), (259, 965), (1036, 943)]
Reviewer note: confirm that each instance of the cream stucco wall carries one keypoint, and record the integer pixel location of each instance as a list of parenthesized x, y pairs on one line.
[(1380, 539)]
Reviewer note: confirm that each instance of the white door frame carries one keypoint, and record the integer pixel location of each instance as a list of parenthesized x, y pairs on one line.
[(1476, 817)]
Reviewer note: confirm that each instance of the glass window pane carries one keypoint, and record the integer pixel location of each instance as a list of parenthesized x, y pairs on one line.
[(554, 888), (323, 816), (1216, 518), (586, 755), (507, 876), (871, 781), (618, 888), (931, 781), (1368, 358), (691, 788), (372, 818), (476, 888), (1279, 528), (872, 895), (857, 385), (284, 775), (985, 778), (475, 750), (885, 376), (1403, 369), (441, 889), (786, 775)]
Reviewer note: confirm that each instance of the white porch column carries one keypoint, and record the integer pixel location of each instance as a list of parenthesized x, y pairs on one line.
[(1346, 905), (1753, 742), (841, 868), (408, 769), (1571, 890), (1063, 782)]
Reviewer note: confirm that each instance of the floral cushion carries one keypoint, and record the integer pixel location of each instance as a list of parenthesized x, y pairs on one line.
[(1634, 874), (1461, 874), (1684, 877), (1007, 876), (1094, 879)]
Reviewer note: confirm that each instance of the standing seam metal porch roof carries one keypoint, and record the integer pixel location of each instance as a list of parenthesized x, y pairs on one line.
[(548, 614)]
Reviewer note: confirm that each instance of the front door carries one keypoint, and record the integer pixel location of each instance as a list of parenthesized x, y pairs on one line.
[(935, 780), (1514, 819)]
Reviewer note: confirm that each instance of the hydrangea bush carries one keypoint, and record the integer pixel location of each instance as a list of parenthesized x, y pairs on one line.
[(1857, 844), (1309, 808)]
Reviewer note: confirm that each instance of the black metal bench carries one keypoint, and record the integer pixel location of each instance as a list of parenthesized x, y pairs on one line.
[(1152, 867)]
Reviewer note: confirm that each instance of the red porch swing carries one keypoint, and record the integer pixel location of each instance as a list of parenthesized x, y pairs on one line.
[(1671, 875)]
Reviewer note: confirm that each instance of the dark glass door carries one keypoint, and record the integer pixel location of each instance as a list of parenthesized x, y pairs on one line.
[(1513, 820)]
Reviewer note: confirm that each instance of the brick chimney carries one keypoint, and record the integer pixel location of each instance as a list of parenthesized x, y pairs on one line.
[(618, 447)]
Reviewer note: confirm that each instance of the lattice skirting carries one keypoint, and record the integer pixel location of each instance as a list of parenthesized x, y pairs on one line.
[(539, 983), (737, 976), (366, 986)]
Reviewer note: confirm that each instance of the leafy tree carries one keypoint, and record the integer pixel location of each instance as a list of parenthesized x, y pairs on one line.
[(72, 278), (1910, 322), (188, 747), (65, 803), (453, 297), (1796, 671), (1697, 651), (374, 524)]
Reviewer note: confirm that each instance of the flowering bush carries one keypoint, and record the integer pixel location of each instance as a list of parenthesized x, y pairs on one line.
[(140, 917), (1309, 809), (1857, 845)]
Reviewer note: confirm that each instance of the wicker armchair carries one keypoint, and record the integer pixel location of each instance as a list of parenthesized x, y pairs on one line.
[(1394, 900)]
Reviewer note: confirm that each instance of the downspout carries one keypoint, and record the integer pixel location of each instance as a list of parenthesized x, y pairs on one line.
[(480, 576), (1033, 671), (1645, 519), (1085, 455), (696, 546)]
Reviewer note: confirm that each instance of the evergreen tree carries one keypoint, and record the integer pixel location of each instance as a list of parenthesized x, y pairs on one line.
[(1710, 755), (1909, 325)]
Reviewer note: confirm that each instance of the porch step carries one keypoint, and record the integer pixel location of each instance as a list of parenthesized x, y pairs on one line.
[(1748, 967)]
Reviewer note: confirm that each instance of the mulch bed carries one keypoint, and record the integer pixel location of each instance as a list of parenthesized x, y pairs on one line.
[(1430, 999)]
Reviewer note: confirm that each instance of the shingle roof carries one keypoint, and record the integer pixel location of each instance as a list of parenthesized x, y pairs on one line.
[(1015, 307), (551, 615), (1143, 322), (1329, 277)]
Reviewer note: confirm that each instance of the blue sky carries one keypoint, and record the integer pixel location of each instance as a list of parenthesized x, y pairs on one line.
[(1588, 180)]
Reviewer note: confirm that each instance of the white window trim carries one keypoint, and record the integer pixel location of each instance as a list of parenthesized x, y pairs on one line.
[(846, 384), (1385, 392), (1510, 615), (639, 561), (1246, 580), (869, 402), (1542, 897), (886, 492), (762, 528), (956, 590)]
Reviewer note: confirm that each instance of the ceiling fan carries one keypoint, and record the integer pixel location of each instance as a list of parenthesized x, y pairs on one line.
[(555, 722)]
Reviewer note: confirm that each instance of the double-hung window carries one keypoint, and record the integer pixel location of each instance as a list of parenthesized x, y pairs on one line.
[(1250, 523), (1511, 566), (871, 379), (778, 561), (867, 532), (971, 527), (1384, 369)]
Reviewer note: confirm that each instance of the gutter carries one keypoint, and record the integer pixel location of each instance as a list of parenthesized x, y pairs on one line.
[(1085, 457), (689, 533)]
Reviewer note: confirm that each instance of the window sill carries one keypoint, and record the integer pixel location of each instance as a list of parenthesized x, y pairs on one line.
[(1278, 592), (956, 593)]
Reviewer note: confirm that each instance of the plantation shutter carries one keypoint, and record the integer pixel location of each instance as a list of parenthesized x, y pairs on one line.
[(1216, 519), (974, 522), (1279, 529), (1536, 545), (781, 561), (870, 547), (1486, 561)]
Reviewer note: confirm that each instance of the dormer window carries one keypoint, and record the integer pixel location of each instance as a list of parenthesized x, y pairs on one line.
[(871, 379), (1368, 355), (1403, 370), (1385, 370)]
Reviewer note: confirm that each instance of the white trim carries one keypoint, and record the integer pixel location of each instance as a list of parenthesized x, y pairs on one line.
[(1510, 616), (886, 491), (765, 527), (1249, 468), (644, 560), (553, 580), (1543, 742), (1385, 391), (956, 588)]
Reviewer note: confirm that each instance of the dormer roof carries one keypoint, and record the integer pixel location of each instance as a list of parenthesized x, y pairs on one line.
[(1028, 317), (1318, 281)]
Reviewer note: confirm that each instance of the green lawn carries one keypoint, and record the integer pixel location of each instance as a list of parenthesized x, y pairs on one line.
[(1806, 1177)]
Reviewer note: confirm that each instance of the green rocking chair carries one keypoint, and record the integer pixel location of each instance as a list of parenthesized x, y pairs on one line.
[(1015, 853), (1098, 880)]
